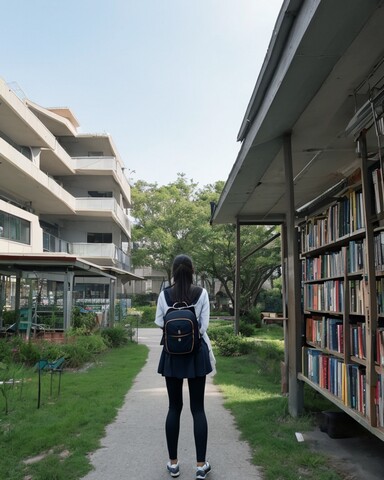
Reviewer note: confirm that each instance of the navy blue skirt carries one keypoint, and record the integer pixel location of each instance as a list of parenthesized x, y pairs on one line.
[(186, 366)]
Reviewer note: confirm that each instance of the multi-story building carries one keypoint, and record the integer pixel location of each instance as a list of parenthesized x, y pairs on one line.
[(152, 281), (64, 202)]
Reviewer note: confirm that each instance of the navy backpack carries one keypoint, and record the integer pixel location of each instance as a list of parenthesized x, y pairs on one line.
[(181, 327)]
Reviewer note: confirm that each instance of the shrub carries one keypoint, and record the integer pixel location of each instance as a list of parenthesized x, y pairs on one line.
[(148, 315), (253, 317), (51, 351), (217, 332), (247, 329), (92, 343), (5, 351), (76, 355), (132, 320), (230, 345), (29, 353), (85, 321), (115, 336), (9, 317)]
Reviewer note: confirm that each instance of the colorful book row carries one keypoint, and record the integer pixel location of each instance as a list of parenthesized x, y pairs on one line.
[(358, 340), (377, 190), (325, 332), (341, 219), (380, 346), (345, 381), (356, 256), (323, 266), (327, 296), (380, 295), (357, 292), (379, 250)]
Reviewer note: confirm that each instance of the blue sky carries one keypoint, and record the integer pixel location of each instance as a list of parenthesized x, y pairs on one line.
[(169, 79)]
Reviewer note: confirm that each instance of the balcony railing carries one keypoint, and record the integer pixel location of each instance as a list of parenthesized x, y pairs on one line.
[(54, 244), (101, 253), (105, 253)]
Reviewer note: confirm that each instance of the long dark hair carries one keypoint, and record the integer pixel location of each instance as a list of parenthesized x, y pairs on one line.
[(182, 272)]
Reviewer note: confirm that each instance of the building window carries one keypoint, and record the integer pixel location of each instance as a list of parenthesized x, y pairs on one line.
[(96, 154), (94, 193), (15, 228), (99, 237)]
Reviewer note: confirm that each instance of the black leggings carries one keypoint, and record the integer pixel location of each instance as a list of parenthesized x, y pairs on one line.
[(172, 424)]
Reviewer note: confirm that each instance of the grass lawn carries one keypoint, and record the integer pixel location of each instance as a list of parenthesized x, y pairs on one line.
[(66, 428), (252, 392)]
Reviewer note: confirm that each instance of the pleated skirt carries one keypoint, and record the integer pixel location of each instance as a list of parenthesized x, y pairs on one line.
[(191, 365)]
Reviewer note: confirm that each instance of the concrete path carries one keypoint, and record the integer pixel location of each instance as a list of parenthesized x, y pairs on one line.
[(134, 445)]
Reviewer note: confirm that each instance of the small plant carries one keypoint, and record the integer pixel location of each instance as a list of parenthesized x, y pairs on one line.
[(115, 336), (8, 376)]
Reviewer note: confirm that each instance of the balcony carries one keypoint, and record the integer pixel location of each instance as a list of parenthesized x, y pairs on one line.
[(106, 254), (104, 207), (103, 166), (54, 244)]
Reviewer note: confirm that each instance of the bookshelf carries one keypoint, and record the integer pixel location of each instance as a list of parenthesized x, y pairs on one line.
[(342, 272)]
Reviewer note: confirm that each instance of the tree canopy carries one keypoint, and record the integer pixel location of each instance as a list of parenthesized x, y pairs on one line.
[(175, 218)]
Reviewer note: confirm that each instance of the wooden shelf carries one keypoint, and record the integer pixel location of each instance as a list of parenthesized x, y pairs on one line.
[(379, 432)]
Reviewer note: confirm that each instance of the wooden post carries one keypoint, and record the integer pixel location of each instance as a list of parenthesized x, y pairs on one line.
[(237, 280), (370, 287), (285, 363), (296, 390)]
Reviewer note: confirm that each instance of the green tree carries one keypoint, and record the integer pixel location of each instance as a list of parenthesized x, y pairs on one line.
[(165, 222), (175, 218)]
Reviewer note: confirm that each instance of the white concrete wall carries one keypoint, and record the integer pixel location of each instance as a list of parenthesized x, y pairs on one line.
[(10, 246), (77, 231)]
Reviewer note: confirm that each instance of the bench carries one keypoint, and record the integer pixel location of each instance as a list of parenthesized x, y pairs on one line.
[(52, 368)]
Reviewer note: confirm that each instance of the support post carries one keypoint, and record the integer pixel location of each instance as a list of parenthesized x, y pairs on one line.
[(30, 309), (112, 302), (2, 299), (296, 387), (67, 300), (285, 363), (237, 280), (17, 300), (371, 308)]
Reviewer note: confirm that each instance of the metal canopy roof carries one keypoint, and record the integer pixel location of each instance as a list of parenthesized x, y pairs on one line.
[(13, 263), (323, 59)]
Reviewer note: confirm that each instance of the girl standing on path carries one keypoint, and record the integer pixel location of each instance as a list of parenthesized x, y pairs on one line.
[(193, 366)]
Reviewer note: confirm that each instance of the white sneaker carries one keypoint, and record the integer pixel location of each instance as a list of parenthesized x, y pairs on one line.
[(202, 472), (173, 469)]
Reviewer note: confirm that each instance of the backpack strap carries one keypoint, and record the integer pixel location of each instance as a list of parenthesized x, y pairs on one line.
[(167, 297), (170, 303)]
